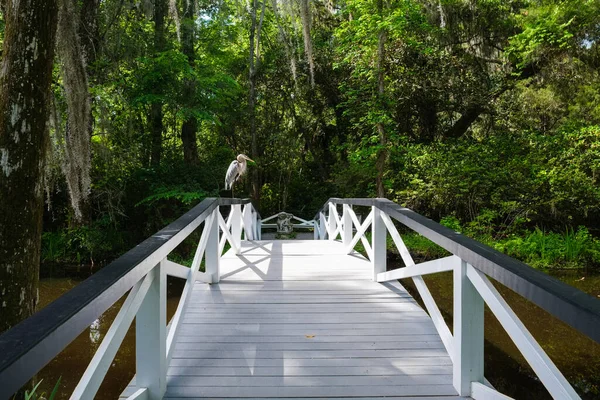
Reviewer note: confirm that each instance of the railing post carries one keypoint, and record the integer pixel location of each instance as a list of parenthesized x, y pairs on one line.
[(322, 226), (347, 221), (259, 229), (151, 336), (236, 225), (248, 226), (255, 224), (379, 244), (332, 221), (468, 332), (212, 256), (315, 230)]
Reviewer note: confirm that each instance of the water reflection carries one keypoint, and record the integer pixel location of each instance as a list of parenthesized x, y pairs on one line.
[(95, 333)]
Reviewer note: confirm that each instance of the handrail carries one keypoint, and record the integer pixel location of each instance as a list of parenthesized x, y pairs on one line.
[(568, 304), (31, 344), (472, 263)]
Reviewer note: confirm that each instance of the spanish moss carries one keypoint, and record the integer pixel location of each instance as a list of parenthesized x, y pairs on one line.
[(76, 141)]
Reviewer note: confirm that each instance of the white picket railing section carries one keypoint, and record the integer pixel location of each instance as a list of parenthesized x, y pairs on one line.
[(147, 303), (472, 289)]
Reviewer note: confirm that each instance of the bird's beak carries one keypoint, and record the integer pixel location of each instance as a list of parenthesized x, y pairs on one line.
[(249, 159)]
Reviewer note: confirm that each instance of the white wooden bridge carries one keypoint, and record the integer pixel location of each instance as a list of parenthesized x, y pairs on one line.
[(299, 319)]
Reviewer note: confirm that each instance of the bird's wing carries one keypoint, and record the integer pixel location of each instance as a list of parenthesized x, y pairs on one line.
[(232, 173)]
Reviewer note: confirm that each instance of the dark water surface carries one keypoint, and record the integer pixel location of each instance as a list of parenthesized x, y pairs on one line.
[(71, 363), (575, 355)]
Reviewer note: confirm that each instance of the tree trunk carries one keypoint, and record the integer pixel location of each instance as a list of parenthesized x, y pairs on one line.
[(161, 8), (89, 33), (382, 152), (156, 128), (252, 104), (190, 125), (188, 138), (25, 77), (89, 38), (463, 124)]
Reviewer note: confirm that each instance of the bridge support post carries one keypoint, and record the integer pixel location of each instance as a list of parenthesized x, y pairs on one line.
[(332, 221), (468, 332), (378, 243), (151, 336), (347, 229), (236, 225), (322, 226), (255, 225), (248, 225), (258, 228), (212, 257)]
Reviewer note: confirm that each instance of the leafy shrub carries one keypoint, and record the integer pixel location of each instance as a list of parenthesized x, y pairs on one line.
[(541, 249), (85, 244), (451, 222)]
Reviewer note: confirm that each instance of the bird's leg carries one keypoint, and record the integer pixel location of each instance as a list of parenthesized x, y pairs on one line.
[(232, 191)]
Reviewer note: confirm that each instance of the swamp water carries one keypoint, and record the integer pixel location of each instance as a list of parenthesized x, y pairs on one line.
[(71, 363), (575, 355)]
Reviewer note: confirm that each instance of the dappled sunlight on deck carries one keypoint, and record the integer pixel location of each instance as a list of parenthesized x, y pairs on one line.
[(303, 319)]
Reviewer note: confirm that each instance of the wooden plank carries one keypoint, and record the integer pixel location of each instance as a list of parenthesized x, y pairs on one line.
[(201, 297), (307, 319), (278, 354), (444, 397), (400, 337), (324, 291), (314, 392), (382, 370), (299, 309), (302, 300), (341, 284), (309, 381), (319, 329), (334, 362), (229, 309), (306, 327), (307, 345)]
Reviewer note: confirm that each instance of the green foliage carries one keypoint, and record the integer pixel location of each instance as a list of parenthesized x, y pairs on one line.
[(572, 249), (178, 193), (96, 243), (421, 248), (546, 30), (33, 395), (525, 73), (451, 222)]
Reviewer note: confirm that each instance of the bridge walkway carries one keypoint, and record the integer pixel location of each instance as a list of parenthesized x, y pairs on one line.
[(303, 319)]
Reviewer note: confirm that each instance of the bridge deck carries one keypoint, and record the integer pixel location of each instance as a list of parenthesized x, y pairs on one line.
[(301, 319)]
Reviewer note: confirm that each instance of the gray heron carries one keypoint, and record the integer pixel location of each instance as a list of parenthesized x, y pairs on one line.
[(236, 169)]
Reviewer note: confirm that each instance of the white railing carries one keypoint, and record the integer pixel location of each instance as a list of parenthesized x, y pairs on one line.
[(300, 224), (143, 271), (472, 289)]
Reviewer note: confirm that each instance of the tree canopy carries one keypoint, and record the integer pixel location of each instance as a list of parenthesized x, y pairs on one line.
[(482, 112)]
